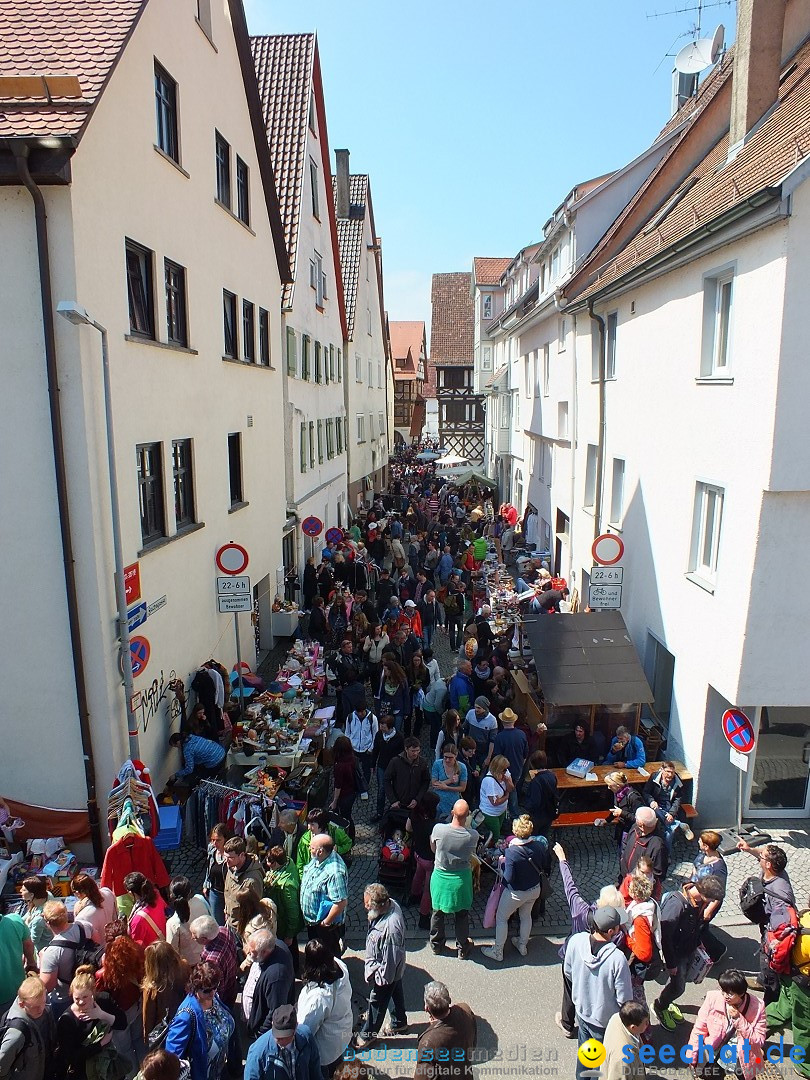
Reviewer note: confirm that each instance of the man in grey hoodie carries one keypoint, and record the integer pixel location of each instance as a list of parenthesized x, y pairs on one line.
[(599, 974), (385, 964), (30, 1033)]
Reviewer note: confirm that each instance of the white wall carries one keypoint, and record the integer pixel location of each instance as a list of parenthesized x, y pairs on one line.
[(122, 188)]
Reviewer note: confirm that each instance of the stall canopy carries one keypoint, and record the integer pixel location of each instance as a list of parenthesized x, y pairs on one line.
[(587, 659), (468, 476)]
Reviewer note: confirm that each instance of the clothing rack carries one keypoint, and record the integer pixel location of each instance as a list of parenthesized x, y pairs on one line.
[(259, 808)]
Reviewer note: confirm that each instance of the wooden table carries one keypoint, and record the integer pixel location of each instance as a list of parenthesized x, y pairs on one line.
[(566, 781)]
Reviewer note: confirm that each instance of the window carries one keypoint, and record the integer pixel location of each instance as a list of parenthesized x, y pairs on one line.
[(332, 362), (361, 428), (312, 444), (546, 464), (330, 438), (381, 417), (371, 373), (346, 432), (617, 492), (303, 447), (486, 307), (590, 476), (242, 191), (340, 365), (305, 344), (204, 16), (486, 363), (506, 411), (318, 368), (292, 352), (320, 441), (718, 294), (706, 531), (313, 183), (264, 337), (562, 419), (358, 368), (562, 335), (150, 491), (248, 332), (659, 667), (312, 114), (166, 113), (183, 483), (339, 435), (223, 156), (139, 290), (317, 278), (176, 328), (235, 467), (229, 324), (610, 345), (546, 368)]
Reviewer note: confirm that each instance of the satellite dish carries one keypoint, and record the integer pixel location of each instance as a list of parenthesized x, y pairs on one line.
[(695, 57), (718, 42)]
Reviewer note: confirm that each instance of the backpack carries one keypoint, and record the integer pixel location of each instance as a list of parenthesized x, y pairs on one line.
[(551, 799), (17, 1023), (779, 936), (85, 950), (752, 900)]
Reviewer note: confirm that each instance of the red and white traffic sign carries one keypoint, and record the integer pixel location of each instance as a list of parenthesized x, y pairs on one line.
[(738, 731), (232, 559), (607, 549)]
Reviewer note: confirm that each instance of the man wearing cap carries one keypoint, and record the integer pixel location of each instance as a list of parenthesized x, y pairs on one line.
[(513, 745), (410, 620), (325, 892), (286, 1052), (599, 976)]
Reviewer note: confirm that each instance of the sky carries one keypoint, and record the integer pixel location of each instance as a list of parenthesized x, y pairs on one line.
[(474, 120)]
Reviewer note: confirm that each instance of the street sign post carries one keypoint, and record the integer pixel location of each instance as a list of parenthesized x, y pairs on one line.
[(738, 731), (607, 549), (132, 582), (607, 575), (136, 616), (233, 596), (606, 597)]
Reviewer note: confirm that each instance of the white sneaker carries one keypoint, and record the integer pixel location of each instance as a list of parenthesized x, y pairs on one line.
[(492, 953), (521, 948)]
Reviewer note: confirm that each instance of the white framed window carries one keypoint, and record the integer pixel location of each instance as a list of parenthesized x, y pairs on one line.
[(358, 367), (506, 411), (611, 326), (706, 522), (546, 463), (590, 476), (562, 419), (317, 278), (718, 305), (562, 335), (527, 373), (371, 373), (381, 418), (546, 368), (361, 427), (379, 374), (486, 307), (617, 492), (486, 362)]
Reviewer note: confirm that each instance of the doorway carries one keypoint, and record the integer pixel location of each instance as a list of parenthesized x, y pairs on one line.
[(779, 769)]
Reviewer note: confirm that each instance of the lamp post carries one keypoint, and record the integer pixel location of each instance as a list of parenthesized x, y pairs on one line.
[(79, 316)]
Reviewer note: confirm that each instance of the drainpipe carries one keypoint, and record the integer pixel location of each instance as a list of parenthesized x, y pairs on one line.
[(60, 468), (600, 452)]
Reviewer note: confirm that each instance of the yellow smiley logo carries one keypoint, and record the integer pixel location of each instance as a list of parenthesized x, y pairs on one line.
[(591, 1054)]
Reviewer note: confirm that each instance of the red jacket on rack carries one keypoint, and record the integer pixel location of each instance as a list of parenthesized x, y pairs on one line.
[(131, 853)]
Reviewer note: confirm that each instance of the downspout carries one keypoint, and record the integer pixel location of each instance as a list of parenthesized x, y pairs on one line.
[(60, 468), (600, 450)]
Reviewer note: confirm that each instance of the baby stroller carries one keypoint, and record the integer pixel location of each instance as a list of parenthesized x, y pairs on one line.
[(395, 865)]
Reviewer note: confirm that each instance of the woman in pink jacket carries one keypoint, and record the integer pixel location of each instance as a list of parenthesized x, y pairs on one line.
[(728, 1012)]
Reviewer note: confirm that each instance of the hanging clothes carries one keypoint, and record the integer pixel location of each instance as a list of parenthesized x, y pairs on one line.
[(129, 854)]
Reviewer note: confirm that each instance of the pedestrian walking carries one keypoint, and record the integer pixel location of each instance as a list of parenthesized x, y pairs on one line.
[(384, 965), (446, 1047), (453, 846), (287, 1051), (526, 864)]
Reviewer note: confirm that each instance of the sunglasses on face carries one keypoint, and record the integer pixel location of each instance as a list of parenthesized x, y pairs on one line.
[(207, 990)]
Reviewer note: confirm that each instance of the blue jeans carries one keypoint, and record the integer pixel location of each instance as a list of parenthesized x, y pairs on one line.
[(587, 1031), (427, 636), (217, 902), (669, 828)]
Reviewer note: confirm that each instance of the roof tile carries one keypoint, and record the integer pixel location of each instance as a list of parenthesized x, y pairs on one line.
[(488, 271), (350, 242), (452, 327)]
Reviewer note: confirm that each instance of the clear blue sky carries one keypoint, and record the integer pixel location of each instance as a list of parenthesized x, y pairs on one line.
[(475, 119)]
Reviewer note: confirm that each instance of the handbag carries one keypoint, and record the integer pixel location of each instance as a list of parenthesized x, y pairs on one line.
[(359, 780), (157, 1036), (492, 905)]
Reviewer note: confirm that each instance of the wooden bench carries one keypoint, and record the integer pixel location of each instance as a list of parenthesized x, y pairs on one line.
[(588, 817)]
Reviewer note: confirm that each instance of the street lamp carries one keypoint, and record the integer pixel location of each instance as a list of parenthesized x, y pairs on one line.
[(79, 316)]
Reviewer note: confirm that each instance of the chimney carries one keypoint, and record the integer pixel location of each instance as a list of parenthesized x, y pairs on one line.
[(757, 64), (342, 159)]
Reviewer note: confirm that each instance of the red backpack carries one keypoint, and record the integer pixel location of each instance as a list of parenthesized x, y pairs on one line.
[(780, 936)]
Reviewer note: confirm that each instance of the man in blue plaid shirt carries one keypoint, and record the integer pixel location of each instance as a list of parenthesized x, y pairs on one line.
[(325, 892)]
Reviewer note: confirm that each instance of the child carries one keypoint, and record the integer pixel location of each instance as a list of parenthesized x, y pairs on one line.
[(625, 1029)]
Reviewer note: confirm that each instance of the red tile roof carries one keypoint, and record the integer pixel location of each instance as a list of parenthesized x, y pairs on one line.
[(284, 70), (83, 38), (350, 241), (452, 326), (780, 143), (489, 271), (406, 345)]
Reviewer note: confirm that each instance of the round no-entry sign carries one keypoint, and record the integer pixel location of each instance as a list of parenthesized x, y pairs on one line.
[(334, 536), (738, 731), (312, 526), (607, 549), (232, 559)]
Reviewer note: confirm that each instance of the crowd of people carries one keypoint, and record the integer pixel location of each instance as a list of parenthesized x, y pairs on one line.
[(247, 976)]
